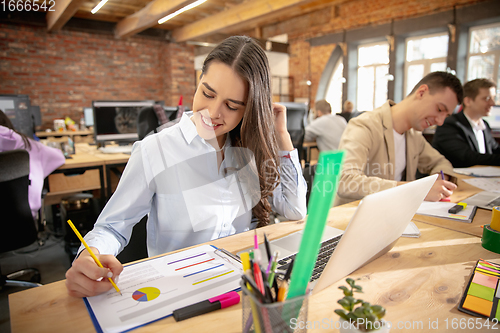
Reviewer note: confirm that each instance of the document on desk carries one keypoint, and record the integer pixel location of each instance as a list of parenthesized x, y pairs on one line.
[(485, 184), (153, 289), (440, 209), (479, 172)]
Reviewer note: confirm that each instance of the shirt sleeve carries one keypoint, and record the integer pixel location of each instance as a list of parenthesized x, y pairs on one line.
[(357, 141), (128, 205), (289, 197)]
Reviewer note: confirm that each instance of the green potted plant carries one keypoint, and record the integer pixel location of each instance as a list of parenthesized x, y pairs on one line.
[(358, 315)]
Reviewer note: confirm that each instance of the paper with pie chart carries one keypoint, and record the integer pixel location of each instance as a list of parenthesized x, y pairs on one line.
[(152, 289)]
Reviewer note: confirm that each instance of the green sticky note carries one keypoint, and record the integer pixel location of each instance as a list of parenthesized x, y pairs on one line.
[(481, 291), (497, 315)]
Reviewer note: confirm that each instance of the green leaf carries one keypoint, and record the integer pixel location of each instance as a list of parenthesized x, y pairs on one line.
[(350, 282), (347, 292), (379, 311), (342, 314), (345, 304)]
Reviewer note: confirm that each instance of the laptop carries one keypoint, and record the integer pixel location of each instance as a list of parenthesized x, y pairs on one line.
[(484, 199), (378, 222)]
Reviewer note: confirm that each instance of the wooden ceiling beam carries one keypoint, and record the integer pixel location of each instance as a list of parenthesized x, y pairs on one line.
[(63, 11), (247, 11), (148, 16)]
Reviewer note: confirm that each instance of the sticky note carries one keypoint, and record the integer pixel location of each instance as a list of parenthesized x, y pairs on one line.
[(497, 315), (481, 291), (478, 305), (485, 265), (485, 280), (498, 294)]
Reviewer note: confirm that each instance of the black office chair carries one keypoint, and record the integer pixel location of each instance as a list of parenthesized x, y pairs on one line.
[(296, 116), (148, 122), (18, 226)]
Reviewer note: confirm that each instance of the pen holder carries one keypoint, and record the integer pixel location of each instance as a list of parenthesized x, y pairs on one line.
[(289, 316)]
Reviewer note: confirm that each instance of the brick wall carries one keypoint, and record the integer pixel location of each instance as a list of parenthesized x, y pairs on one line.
[(64, 71), (308, 62)]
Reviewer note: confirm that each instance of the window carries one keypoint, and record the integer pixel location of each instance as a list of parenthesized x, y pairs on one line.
[(373, 67), (334, 90), (484, 53), (424, 54)]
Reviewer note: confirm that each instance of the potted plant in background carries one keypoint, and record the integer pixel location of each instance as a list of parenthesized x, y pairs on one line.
[(358, 315)]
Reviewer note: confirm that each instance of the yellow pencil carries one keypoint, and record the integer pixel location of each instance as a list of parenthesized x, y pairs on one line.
[(91, 253)]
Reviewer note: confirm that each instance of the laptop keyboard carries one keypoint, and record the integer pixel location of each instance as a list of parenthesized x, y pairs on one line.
[(325, 252), (494, 203)]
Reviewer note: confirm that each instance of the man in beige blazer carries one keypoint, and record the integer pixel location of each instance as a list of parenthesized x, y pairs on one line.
[(384, 147)]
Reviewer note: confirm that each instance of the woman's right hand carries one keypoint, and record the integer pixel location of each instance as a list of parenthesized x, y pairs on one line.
[(85, 278)]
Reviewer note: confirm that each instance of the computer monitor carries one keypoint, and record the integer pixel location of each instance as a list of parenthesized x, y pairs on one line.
[(494, 118), (117, 120), (88, 116), (17, 109)]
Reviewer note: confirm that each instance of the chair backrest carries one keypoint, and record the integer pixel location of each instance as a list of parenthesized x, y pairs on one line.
[(296, 116), (18, 227), (147, 122)]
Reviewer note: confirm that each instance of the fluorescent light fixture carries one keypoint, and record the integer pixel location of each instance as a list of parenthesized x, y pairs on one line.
[(96, 8), (182, 10)]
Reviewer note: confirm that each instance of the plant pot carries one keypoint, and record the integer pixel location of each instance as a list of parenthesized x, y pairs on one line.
[(346, 327)]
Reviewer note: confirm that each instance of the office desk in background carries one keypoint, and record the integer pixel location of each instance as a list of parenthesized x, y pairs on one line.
[(420, 281), (87, 169)]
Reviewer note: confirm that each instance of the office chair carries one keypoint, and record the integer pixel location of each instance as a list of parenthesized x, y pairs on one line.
[(148, 121), (18, 226), (296, 115)]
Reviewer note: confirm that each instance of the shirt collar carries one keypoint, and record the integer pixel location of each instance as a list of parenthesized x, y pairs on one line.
[(188, 129), (477, 127)]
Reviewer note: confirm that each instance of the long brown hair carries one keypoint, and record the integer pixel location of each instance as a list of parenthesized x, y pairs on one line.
[(5, 121), (256, 131)]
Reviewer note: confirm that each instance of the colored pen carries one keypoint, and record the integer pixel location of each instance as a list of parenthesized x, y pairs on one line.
[(91, 253), (270, 277), (257, 276), (215, 303), (268, 247), (447, 199)]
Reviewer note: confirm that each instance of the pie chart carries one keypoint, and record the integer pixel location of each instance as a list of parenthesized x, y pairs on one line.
[(146, 294)]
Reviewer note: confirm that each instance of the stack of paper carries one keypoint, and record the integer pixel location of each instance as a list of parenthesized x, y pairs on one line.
[(479, 171), (440, 209)]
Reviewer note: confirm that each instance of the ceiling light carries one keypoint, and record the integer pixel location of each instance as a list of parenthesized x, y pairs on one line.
[(182, 10), (96, 8)]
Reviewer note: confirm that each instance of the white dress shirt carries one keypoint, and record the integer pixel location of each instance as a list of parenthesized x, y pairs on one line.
[(478, 129), (172, 176)]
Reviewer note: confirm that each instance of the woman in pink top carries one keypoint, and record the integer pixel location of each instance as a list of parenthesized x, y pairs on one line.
[(43, 159)]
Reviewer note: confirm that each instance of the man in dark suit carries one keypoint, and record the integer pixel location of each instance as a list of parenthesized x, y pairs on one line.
[(465, 138)]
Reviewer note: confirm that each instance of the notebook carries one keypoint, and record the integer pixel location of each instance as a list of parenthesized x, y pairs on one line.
[(378, 222), (484, 199)]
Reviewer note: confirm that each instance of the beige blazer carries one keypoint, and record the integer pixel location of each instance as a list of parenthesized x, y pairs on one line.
[(369, 162)]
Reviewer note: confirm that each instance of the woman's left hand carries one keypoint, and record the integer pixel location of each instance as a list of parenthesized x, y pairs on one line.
[(284, 140)]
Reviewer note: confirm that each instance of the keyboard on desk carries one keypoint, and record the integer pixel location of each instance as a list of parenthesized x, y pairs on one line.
[(116, 149), (324, 254), (494, 203)]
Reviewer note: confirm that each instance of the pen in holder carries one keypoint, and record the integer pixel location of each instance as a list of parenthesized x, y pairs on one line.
[(288, 316)]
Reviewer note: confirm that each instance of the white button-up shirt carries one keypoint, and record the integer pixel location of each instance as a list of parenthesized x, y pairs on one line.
[(478, 129), (172, 176)]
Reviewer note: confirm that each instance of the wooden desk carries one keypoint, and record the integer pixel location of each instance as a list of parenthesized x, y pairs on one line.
[(87, 169), (71, 134), (463, 191), (420, 280)]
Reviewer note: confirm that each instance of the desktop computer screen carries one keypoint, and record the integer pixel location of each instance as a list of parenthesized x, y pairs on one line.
[(88, 116), (117, 120), (18, 109)]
